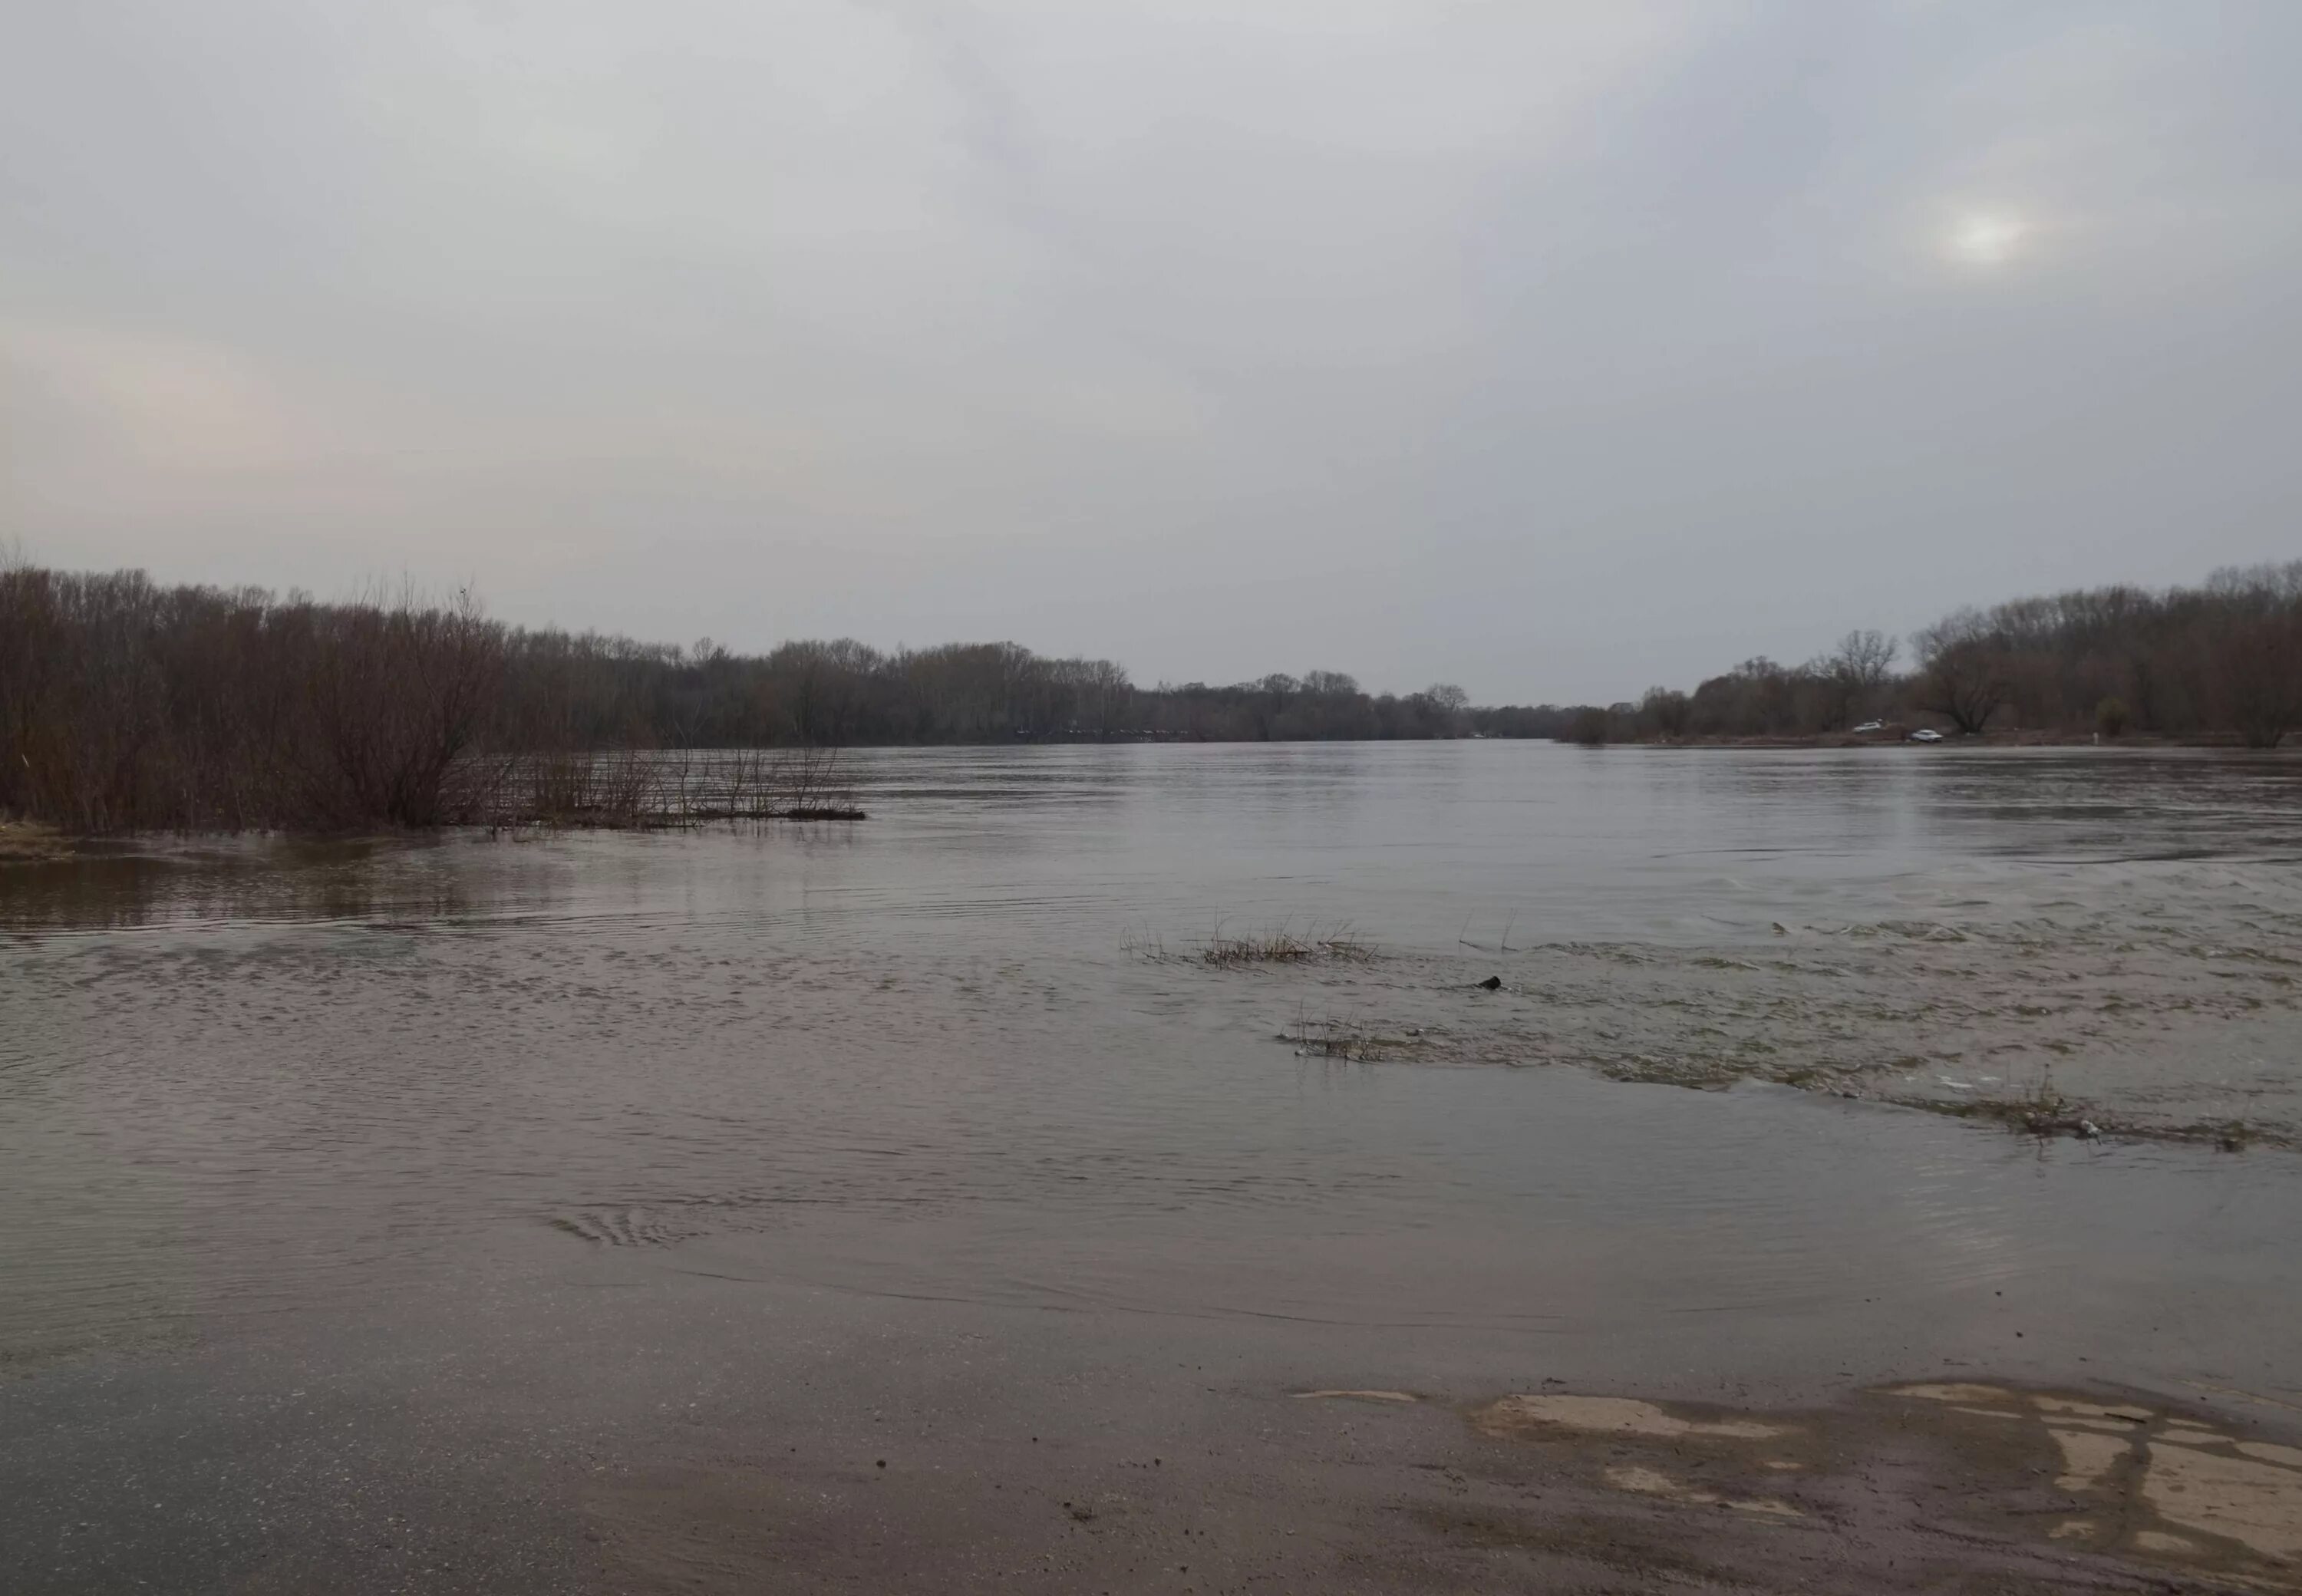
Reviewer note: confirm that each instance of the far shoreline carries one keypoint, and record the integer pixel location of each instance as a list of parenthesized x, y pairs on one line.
[(2154, 743), (27, 841)]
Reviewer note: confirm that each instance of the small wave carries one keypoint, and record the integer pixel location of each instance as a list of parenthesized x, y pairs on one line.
[(621, 1227)]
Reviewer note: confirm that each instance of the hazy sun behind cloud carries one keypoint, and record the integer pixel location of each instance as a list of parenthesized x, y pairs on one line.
[(1985, 238)]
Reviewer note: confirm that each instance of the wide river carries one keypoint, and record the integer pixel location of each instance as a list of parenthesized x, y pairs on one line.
[(282, 1117)]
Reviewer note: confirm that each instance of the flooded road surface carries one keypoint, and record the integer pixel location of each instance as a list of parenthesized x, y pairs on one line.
[(578, 1212)]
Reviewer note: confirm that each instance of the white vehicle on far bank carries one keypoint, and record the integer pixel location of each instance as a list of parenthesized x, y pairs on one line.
[(1926, 734), (1871, 726)]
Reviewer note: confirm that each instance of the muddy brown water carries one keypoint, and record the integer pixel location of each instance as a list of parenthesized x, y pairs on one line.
[(497, 1140)]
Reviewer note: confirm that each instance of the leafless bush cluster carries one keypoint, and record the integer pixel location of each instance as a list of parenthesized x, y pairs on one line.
[(642, 789), (126, 706)]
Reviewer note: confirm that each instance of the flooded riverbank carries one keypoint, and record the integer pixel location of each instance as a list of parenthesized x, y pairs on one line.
[(636, 1158)]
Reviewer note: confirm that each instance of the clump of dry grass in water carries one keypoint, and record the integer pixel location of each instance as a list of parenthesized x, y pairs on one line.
[(1315, 944), (1348, 1039), (656, 790), (2040, 1111), (27, 841)]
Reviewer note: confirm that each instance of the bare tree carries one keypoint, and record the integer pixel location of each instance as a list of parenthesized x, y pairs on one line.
[(1865, 661), (1962, 670), (1845, 684), (1109, 698), (1666, 711), (2257, 664), (1449, 707), (829, 686)]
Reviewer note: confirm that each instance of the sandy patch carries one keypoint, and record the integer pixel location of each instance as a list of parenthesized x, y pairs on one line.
[(2038, 1477), (1648, 1481), (2258, 1505), (1613, 1415), (1951, 1393), (2248, 1492), (2087, 1459), (23, 842), (2066, 1407)]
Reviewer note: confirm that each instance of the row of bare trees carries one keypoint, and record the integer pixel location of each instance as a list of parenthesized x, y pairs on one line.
[(1852, 683), (126, 705), (2222, 661), (2224, 658)]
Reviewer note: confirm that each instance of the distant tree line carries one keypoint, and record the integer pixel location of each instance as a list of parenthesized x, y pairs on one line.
[(588, 690), (2222, 661), (128, 705)]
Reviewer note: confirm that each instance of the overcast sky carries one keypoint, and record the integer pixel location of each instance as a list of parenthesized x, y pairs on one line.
[(1552, 348)]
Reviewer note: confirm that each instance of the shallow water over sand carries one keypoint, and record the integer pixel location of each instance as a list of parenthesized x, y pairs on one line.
[(744, 1209)]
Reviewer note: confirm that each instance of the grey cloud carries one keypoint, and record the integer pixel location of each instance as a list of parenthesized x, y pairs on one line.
[(1554, 349)]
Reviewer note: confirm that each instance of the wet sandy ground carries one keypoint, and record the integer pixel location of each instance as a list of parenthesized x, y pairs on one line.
[(688, 1431), (1885, 1490)]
